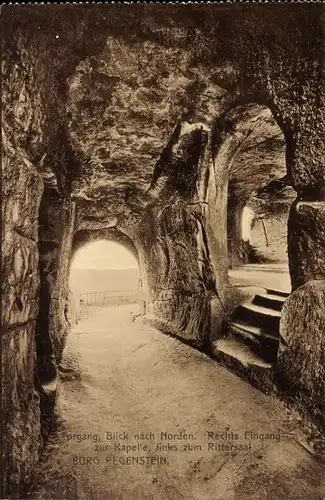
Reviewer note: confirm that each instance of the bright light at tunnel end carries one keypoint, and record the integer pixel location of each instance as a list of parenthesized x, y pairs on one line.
[(104, 255), (246, 223)]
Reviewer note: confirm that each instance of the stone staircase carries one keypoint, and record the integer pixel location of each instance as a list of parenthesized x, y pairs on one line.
[(252, 336)]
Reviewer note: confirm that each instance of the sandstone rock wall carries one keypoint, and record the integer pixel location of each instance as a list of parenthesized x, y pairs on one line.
[(56, 231), (31, 107), (301, 361), (59, 326), (307, 241), (269, 238), (238, 249), (178, 300), (301, 355), (73, 308), (21, 195), (22, 187), (172, 246)]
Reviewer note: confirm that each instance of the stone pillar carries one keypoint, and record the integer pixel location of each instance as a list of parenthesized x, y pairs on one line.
[(57, 217), (176, 271), (173, 242), (301, 357), (237, 248)]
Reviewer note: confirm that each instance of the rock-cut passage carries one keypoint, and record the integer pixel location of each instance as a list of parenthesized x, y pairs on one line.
[(185, 427)]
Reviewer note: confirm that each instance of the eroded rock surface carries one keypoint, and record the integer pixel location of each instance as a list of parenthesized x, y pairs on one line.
[(301, 362), (22, 190), (306, 243)]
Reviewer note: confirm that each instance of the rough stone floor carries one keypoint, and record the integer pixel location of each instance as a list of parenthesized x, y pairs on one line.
[(131, 379)]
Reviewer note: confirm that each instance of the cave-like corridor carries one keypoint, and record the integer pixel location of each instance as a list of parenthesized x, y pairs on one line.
[(190, 139)]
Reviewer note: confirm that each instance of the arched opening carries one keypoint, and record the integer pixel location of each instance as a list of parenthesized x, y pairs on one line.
[(103, 274), (258, 200)]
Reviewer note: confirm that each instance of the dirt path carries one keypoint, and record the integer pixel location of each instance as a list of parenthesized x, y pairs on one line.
[(135, 380)]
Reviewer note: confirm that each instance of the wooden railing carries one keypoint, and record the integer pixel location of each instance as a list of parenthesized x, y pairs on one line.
[(101, 298)]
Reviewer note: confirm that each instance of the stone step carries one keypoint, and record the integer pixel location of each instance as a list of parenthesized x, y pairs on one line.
[(271, 301), (240, 359), (281, 293), (261, 341), (240, 351), (259, 316), (255, 331)]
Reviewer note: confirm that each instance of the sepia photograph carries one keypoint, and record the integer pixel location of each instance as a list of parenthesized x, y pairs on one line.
[(163, 251)]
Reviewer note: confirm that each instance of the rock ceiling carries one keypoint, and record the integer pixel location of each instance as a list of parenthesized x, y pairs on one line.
[(260, 157), (123, 107)]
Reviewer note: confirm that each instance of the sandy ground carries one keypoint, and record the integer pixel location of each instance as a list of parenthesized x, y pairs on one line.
[(131, 379), (263, 275)]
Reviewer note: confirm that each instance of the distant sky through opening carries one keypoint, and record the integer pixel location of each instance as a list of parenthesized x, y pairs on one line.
[(104, 255)]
